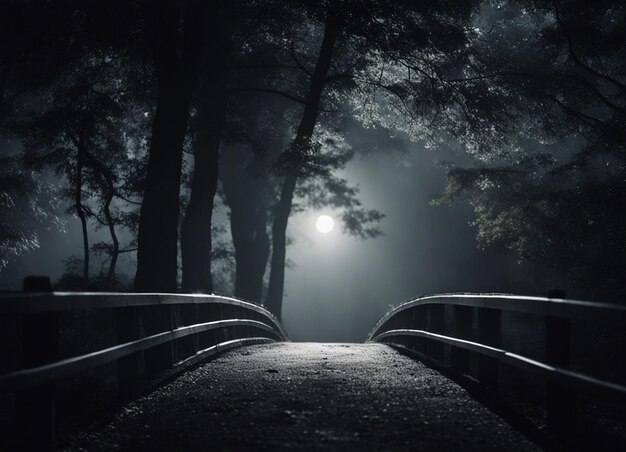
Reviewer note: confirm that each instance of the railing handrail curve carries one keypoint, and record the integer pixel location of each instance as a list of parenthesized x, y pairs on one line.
[(70, 366), (558, 307), (36, 302), (565, 376), (426, 325)]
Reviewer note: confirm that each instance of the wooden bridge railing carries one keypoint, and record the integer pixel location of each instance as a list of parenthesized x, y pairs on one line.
[(168, 329), (476, 326)]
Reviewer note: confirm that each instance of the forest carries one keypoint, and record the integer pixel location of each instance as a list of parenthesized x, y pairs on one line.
[(138, 120)]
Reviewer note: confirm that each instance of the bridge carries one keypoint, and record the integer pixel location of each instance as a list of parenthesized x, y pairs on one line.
[(103, 371)]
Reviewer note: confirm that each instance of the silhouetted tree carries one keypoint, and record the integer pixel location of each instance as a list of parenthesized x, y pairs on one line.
[(299, 147), (78, 129), (67, 79), (420, 32), (177, 30), (235, 34)]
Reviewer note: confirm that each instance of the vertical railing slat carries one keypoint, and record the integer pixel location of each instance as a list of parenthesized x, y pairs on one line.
[(128, 329), (36, 411), (157, 319), (436, 324), (489, 332), (560, 400), (462, 329)]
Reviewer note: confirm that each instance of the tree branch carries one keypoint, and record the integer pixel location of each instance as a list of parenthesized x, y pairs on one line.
[(280, 93), (575, 57), (294, 56)]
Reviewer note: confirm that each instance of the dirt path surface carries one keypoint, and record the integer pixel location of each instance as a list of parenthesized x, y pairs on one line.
[(307, 396)]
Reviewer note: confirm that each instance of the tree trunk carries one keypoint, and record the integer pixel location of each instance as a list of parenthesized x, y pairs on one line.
[(196, 227), (245, 184), (108, 185), (4, 83), (279, 244), (176, 73), (305, 131), (115, 251), (80, 211), (249, 231), (261, 254)]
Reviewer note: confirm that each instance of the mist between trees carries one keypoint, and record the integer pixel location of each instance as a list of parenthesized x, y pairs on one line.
[(138, 120)]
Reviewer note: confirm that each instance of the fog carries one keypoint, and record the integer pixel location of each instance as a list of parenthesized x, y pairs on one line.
[(340, 286)]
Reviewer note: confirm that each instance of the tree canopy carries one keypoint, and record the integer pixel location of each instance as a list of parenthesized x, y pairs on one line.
[(148, 114)]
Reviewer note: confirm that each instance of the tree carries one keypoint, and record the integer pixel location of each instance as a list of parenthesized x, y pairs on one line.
[(416, 32), (235, 33), (79, 126), (247, 186), (299, 148), (207, 128), (260, 69), (555, 200), (25, 203), (177, 55), (67, 114)]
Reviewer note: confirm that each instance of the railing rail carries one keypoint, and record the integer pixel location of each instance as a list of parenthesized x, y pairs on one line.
[(155, 324), (39, 302), (606, 313), (420, 324), (71, 366)]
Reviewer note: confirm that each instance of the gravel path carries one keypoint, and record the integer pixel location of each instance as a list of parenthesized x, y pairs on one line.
[(307, 396)]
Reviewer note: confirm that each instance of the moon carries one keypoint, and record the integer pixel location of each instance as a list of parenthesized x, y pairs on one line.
[(324, 224)]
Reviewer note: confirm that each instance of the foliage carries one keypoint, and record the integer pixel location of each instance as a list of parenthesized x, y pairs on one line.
[(556, 199), (322, 187), (533, 91), (85, 127), (26, 203)]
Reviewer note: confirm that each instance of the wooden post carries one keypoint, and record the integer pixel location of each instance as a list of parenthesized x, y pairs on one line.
[(560, 400), (420, 323), (225, 333), (128, 328), (187, 346), (158, 319), (206, 313), (462, 329), (436, 324), (489, 333), (411, 341), (36, 405), (233, 313)]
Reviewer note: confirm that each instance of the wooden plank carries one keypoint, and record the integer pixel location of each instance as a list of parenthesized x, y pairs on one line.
[(609, 314), (462, 328), (67, 367), (36, 406), (24, 303), (560, 400), (489, 333), (567, 377), (128, 329)]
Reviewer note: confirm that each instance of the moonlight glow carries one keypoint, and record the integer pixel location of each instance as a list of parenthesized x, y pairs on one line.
[(324, 224)]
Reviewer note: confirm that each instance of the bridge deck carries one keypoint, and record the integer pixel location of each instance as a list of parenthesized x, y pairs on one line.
[(311, 396)]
